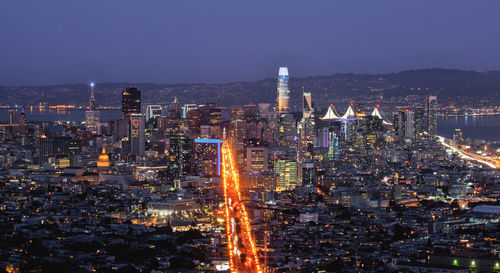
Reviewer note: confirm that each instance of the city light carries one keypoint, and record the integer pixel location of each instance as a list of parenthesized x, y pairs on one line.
[(231, 185)]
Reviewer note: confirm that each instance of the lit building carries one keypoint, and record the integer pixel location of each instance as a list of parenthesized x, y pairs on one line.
[(404, 124), (180, 155), (136, 134), (207, 156), (307, 109), (186, 108), (92, 116), (235, 112), (131, 102), (103, 160), (287, 173), (419, 121), (286, 130), (153, 111), (283, 90), (13, 117), (431, 108), (308, 173), (257, 159)]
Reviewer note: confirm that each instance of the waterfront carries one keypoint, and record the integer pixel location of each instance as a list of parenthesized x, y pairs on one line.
[(474, 127)]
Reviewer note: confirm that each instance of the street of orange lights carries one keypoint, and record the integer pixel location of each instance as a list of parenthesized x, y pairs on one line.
[(230, 174)]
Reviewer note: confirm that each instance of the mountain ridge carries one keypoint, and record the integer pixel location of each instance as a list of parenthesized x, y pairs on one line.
[(446, 83)]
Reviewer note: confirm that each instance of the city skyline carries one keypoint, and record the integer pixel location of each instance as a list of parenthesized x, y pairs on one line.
[(130, 170)]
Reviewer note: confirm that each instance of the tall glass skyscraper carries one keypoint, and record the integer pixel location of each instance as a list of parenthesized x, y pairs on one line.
[(283, 90), (431, 105)]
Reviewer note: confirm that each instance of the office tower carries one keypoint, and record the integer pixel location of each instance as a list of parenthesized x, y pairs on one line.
[(92, 116), (307, 109), (180, 154), (283, 90), (431, 108), (174, 110), (235, 112), (286, 170), (186, 108), (419, 121), (23, 123), (195, 117), (286, 130), (404, 124), (257, 159), (54, 147), (308, 173), (153, 111), (131, 102), (136, 134), (307, 123), (333, 147), (207, 157)]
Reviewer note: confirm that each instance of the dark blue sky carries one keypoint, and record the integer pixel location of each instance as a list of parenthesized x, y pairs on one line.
[(163, 41)]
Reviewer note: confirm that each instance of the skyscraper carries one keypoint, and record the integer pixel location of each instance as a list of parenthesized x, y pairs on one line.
[(307, 109), (283, 90), (153, 111), (136, 134), (131, 101), (404, 124), (419, 121), (431, 112), (92, 116)]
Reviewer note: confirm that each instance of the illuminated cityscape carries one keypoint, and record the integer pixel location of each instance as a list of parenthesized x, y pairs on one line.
[(311, 164)]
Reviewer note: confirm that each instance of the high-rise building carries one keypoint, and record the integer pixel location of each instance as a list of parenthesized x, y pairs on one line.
[(136, 134), (153, 111), (404, 124), (286, 130), (307, 109), (131, 102), (286, 170), (257, 158), (283, 90), (308, 173), (419, 121), (431, 109), (235, 112), (180, 154), (186, 108), (92, 116)]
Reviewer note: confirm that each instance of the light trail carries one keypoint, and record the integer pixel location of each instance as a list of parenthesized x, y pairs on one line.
[(236, 209), (469, 156)]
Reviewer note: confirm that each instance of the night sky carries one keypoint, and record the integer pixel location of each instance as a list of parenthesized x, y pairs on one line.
[(163, 41)]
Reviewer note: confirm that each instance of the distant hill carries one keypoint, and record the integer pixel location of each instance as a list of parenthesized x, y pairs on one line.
[(450, 85)]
